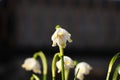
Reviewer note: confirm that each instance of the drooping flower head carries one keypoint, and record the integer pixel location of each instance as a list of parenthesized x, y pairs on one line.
[(84, 69), (68, 63), (31, 64), (60, 37)]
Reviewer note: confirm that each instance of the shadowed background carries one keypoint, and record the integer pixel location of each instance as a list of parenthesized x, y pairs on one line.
[(26, 26)]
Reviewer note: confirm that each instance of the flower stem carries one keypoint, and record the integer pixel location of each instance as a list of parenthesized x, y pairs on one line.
[(62, 62), (115, 75), (34, 77), (112, 61), (55, 58), (44, 62)]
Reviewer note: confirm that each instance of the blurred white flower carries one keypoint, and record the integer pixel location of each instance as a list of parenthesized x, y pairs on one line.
[(84, 69), (119, 70), (60, 37), (68, 63), (31, 64)]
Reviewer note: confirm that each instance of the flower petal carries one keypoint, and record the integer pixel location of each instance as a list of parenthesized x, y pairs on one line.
[(60, 37), (84, 69), (68, 63), (31, 64)]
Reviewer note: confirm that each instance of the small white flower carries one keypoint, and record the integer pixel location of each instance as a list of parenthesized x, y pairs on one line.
[(60, 37), (31, 64), (68, 63), (84, 69)]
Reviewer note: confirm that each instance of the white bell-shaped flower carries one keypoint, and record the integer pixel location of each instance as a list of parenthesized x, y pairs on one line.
[(31, 64), (84, 69), (68, 63), (60, 37)]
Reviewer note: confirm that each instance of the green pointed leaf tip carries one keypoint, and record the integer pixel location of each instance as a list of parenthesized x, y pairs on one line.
[(57, 26)]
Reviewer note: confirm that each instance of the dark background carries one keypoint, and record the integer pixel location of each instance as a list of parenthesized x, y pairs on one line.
[(26, 26)]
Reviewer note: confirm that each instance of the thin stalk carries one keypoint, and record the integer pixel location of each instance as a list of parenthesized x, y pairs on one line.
[(44, 62), (112, 61), (34, 77), (115, 75), (55, 58), (62, 62)]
